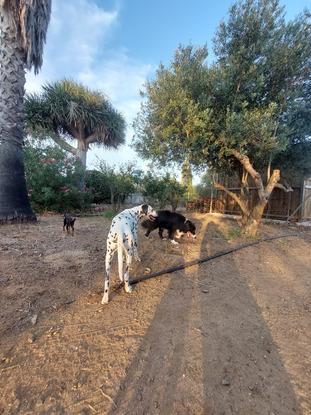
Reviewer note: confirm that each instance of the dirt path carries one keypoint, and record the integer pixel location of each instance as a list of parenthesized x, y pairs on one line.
[(228, 337)]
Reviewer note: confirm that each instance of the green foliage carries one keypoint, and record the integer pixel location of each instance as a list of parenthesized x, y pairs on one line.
[(248, 100), (172, 116), (52, 179), (109, 214), (121, 182), (161, 191), (186, 179), (232, 233), (203, 189), (97, 184)]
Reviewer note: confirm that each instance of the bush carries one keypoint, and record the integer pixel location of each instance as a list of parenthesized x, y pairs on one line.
[(121, 181), (52, 179), (98, 186), (162, 191)]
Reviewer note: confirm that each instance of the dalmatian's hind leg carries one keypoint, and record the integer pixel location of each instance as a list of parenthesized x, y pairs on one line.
[(120, 262), (109, 254)]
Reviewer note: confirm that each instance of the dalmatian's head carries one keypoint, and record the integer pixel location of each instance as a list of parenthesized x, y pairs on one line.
[(147, 210)]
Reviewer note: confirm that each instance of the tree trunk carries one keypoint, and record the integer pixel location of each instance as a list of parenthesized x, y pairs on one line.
[(111, 198), (119, 203), (14, 202), (81, 154), (250, 226), (251, 223)]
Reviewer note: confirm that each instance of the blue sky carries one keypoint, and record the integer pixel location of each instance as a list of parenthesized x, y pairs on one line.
[(116, 45)]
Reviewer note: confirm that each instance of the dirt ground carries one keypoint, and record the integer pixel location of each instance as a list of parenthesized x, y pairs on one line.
[(231, 336)]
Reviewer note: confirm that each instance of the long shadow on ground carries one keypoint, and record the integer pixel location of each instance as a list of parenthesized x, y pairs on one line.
[(207, 350)]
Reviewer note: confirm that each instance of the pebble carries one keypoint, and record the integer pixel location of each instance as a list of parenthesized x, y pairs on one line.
[(226, 382), (34, 319)]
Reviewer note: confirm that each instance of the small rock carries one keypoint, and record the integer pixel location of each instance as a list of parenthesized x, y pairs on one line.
[(205, 291), (34, 319), (147, 271), (4, 279), (32, 338), (226, 382)]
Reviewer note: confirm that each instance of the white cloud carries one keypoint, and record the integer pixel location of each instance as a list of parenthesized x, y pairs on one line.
[(78, 47)]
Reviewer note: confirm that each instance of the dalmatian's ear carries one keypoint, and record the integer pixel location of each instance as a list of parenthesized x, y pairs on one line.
[(144, 209)]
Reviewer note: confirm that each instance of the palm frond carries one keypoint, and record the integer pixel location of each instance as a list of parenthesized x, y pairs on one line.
[(31, 19), (74, 110)]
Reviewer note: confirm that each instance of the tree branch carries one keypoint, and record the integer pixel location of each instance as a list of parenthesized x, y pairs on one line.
[(97, 136), (234, 197), (269, 168), (63, 144), (91, 138), (273, 181), (244, 160), (285, 188)]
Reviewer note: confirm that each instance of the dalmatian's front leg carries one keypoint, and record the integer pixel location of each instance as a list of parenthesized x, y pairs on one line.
[(134, 244), (136, 256), (108, 260)]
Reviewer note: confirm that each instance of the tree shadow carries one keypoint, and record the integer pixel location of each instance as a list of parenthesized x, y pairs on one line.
[(207, 350), (153, 375), (243, 371)]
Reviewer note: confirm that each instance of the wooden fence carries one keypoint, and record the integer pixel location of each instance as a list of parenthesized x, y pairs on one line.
[(306, 205), (281, 205)]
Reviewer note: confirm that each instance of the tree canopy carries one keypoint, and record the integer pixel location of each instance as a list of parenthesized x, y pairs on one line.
[(246, 100), (67, 111), (244, 113)]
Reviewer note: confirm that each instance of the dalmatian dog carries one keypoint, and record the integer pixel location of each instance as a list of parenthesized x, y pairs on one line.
[(122, 237)]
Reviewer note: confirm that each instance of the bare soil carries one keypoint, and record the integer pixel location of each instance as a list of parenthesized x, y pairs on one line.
[(231, 336)]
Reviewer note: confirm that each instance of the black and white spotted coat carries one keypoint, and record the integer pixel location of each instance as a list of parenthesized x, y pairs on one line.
[(122, 237)]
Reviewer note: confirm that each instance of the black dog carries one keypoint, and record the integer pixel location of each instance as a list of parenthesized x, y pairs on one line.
[(176, 224), (69, 222)]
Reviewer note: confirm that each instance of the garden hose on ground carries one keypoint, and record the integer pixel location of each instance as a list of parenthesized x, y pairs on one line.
[(206, 259)]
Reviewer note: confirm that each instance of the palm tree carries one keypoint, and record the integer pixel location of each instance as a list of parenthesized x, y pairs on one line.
[(23, 27), (67, 111)]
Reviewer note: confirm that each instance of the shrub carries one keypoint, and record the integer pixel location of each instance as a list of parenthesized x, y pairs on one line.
[(53, 178)]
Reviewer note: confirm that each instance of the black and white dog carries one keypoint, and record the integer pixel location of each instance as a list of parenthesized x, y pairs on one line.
[(69, 222), (176, 224), (122, 237)]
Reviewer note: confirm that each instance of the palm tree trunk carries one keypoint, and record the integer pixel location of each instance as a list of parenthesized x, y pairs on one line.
[(14, 202), (81, 154)]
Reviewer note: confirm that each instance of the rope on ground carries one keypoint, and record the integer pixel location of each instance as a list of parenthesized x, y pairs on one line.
[(208, 258)]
